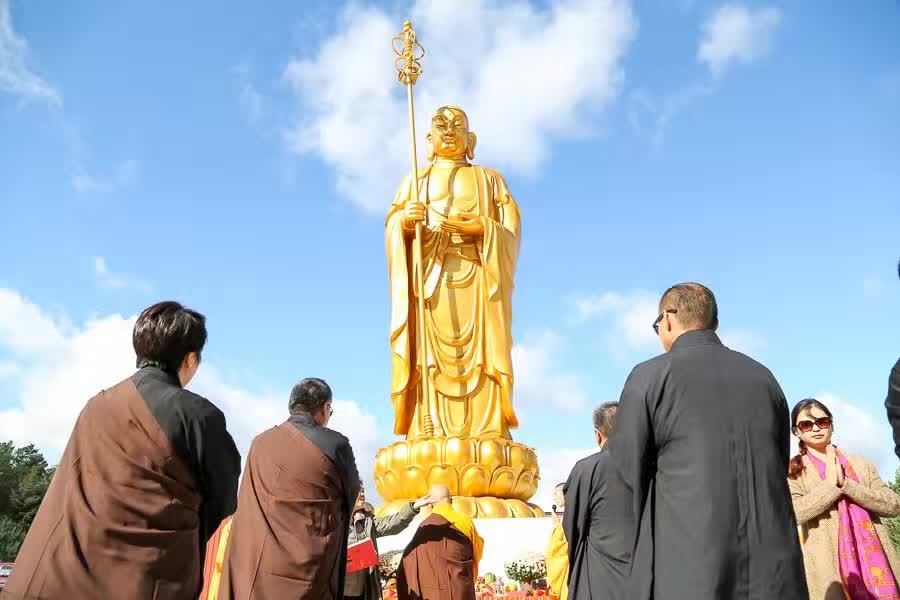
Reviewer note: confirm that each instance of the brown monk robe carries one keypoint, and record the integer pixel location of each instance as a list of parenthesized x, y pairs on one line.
[(124, 513), (441, 561), (288, 537)]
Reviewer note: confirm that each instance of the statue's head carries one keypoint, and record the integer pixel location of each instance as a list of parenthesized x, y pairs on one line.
[(450, 136)]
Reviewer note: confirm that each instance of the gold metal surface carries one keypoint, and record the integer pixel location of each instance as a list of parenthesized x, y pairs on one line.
[(408, 63), (468, 466), (477, 508), (452, 241)]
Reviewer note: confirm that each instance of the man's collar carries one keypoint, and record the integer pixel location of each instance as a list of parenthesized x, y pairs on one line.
[(303, 418), (696, 337)]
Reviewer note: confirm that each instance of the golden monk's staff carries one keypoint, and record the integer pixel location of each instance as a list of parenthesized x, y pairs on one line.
[(409, 54)]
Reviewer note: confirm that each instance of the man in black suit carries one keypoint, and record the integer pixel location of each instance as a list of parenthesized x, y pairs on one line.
[(702, 443), (597, 523)]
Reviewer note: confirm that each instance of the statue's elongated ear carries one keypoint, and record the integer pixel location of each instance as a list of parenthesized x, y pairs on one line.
[(470, 145), (430, 147)]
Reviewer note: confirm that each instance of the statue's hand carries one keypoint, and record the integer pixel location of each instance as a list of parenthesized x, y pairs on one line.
[(465, 224), (413, 213)]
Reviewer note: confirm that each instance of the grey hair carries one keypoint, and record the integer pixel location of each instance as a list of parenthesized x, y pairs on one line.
[(605, 418)]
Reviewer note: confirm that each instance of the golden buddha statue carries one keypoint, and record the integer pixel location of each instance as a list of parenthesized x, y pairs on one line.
[(459, 434)]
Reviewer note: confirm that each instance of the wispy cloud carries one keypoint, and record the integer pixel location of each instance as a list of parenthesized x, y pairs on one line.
[(873, 287), (744, 341), (540, 380), (628, 314), (627, 318), (252, 103), (109, 280), (550, 69), (126, 173), (733, 34), (8, 370), (20, 81), (858, 432), (737, 34), (651, 116), (15, 76)]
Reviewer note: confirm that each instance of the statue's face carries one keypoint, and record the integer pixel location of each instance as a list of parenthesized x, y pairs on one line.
[(449, 135)]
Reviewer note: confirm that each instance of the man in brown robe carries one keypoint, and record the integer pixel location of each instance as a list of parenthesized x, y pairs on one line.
[(147, 475), (441, 561), (288, 537)]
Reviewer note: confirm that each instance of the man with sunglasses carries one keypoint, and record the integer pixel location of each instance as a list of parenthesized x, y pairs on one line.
[(702, 443), (288, 538)]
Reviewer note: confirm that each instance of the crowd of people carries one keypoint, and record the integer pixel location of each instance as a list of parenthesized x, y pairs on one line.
[(693, 493)]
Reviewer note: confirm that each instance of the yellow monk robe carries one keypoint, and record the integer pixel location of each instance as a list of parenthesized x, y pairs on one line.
[(215, 560), (465, 525), (558, 563), (468, 291)]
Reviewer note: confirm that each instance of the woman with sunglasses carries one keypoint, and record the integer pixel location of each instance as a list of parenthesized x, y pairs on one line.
[(839, 500)]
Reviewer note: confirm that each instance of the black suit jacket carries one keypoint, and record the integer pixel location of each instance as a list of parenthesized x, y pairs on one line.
[(892, 403)]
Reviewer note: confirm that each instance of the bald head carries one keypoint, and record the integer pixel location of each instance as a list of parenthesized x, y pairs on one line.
[(439, 493)]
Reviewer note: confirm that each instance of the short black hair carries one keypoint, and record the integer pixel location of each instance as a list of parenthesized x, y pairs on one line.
[(694, 304), (605, 417), (309, 395), (167, 332)]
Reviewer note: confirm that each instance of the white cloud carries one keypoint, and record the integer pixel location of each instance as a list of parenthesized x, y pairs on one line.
[(57, 369), (858, 432), (744, 341), (525, 75), (629, 314), (252, 103), (873, 287), (108, 279), (8, 369), (556, 464), (661, 112), (15, 76), (629, 318), (25, 330), (125, 174), (538, 380), (737, 34), (733, 34)]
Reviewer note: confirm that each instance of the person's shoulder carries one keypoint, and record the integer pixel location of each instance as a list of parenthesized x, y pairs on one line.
[(585, 467), (198, 408), (750, 364), (651, 367), (337, 438), (587, 462), (858, 460)]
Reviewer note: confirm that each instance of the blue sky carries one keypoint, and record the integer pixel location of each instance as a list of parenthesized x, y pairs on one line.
[(241, 161)]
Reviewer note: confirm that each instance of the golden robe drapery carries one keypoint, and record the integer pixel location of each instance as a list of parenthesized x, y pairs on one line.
[(468, 290)]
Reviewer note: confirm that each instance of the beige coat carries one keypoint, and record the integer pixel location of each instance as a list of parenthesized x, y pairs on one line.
[(815, 504)]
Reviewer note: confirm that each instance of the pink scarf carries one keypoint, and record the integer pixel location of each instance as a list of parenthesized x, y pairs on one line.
[(865, 571)]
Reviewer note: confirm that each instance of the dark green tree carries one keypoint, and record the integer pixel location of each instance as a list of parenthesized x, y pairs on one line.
[(12, 534), (24, 479), (893, 525)]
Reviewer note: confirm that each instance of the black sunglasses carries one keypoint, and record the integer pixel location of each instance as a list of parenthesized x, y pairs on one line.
[(807, 425), (660, 318)]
